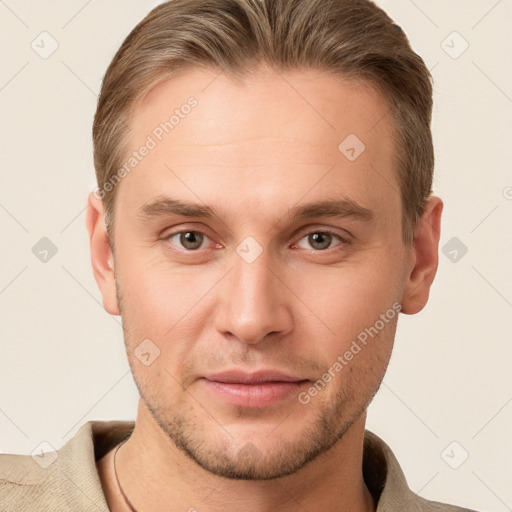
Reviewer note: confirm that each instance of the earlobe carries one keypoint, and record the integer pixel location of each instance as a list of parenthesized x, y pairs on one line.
[(102, 258), (424, 258)]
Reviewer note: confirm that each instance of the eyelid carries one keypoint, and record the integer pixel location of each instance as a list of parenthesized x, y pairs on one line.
[(179, 245), (168, 233), (309, 230), (184, 227), (344, 239), (342, 243)]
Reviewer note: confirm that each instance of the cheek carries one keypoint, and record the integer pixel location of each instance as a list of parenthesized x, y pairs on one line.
[(357, 361), (159, 300), (356, 308), (349, 298)]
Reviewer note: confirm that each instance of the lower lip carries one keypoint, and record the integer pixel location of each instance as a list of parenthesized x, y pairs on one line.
[(254, 395)]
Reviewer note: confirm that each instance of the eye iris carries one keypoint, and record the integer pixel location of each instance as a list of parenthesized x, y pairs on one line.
[(320, 240), (191, 239)]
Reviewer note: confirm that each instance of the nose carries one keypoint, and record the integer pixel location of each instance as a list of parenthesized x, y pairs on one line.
[(254, 302)]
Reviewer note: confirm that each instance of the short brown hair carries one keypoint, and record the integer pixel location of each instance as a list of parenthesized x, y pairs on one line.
[(349, 38)]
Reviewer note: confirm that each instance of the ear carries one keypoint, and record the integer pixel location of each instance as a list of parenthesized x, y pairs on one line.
[(424, 258), (101, 254)]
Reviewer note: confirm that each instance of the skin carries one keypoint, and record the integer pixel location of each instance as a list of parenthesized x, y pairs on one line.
[(253, 151)]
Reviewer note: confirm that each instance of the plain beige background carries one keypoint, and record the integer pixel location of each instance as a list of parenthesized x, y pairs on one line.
[(62, 359)]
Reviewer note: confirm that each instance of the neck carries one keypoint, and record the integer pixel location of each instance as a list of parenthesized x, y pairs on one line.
[(155, 475)]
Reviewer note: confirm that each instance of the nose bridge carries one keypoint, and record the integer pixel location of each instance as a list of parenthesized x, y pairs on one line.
[(254, 303)]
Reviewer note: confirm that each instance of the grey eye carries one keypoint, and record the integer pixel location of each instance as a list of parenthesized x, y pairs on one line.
[(189, 240), (319, 241)]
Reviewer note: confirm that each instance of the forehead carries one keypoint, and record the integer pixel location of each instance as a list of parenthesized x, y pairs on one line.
[(309, 104), (296, 132)]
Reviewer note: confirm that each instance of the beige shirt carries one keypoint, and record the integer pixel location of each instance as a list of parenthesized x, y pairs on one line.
[(70, 483)]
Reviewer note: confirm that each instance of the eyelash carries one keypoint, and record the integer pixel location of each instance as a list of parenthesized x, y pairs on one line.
[(340, 246)]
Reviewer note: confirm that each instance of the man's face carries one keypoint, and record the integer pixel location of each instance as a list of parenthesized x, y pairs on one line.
[(261, 281)]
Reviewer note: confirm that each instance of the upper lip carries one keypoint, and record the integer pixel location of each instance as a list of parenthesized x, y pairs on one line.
[(237, 376)]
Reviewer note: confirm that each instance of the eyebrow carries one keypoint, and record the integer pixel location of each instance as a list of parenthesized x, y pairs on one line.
[(166, 206)]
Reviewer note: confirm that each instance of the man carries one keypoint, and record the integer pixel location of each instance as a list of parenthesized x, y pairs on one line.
[(263, 214)]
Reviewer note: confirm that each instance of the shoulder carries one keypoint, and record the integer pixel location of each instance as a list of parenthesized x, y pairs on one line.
[(387, 482), (423, 505), (65, 479), (25, 484)]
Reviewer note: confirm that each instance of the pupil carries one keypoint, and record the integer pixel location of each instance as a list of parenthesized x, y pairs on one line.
[(320, 240), (191, 240)]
